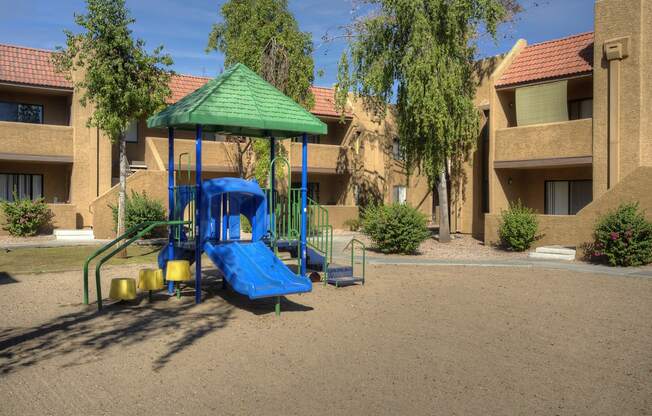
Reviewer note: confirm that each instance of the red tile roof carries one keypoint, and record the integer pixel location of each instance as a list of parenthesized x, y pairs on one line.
[(29, 66), (325, 103), (558, 58)]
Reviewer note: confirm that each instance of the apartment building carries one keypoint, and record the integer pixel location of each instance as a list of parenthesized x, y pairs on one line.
[(566, 129), (48, 151)]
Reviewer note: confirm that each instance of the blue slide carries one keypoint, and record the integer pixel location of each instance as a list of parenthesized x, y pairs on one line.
[(249, 267), (252, 269)]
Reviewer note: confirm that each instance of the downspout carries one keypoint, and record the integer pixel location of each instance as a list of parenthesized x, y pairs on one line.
[(615, 50)]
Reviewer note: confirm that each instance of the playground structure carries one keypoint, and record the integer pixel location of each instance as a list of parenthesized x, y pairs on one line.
[(204, 217)]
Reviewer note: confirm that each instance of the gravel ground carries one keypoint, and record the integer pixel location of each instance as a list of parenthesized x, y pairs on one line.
[(37, 239), (414, 340)]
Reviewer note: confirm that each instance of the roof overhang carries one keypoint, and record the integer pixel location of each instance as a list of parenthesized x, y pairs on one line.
[(557, 162)]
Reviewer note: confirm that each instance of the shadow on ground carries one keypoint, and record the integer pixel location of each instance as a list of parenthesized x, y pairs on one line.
[(85, 335)]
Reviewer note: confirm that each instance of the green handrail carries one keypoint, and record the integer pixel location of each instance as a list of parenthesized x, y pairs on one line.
[(106, 258), (106, 247), (352, 244)]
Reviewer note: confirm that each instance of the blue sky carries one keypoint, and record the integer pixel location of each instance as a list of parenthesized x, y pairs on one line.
[(183, 27)]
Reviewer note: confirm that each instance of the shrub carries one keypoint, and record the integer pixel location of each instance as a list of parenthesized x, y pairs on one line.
[(518, 227), (141, 208), (396, 228), (623, 237), (245, 226), (354, 224), (24, 217)]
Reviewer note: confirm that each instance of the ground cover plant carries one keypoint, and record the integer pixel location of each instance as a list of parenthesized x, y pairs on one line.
[(396, 228), (141, 208), (25, 217), (518, 227)]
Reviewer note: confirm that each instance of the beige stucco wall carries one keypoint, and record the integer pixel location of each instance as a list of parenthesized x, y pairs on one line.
[(154, 183), (573, 230), (612, 20), (56, 104), (91, 170), (339, 214), (545, 141), (36, 139)]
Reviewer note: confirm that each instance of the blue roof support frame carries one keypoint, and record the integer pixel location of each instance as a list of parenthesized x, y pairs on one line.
[(304, 201), (198, 196)]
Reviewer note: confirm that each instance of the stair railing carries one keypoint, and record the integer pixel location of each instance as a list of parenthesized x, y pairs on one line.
[(352, 244), (149, 227)]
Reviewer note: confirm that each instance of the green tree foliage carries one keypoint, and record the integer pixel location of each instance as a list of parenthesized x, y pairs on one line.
[(141, 208), (518, 227), (24, 217), (265, 36), (259, 32), (623, 237), (121, 80), (396, 228), (420, 54)]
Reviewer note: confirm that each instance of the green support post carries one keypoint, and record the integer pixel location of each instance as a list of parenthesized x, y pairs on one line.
[(277, 308)]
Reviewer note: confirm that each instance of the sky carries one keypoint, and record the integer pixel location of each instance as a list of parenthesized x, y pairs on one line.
[(182, 27)]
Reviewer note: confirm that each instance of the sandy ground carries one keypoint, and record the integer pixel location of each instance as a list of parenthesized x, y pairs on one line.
[(413, 341)]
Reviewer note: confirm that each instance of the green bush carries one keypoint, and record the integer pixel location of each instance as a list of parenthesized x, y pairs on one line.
[(518, 227), (245, 226), (623, 237), (354, 224), (396, 228), (25, 217), (141, 208)]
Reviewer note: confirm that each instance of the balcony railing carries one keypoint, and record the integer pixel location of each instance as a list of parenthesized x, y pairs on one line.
[(36, 142), (568, 142), (322, 158)]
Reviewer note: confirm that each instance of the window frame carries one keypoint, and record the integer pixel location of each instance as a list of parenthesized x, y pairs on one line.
[(545, 193), (31, 185), (22, 103)]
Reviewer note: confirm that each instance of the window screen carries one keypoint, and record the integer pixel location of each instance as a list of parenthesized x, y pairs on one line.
[(545, 103)]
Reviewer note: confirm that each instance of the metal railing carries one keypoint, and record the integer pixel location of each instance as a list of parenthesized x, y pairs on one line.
[(352, 244)]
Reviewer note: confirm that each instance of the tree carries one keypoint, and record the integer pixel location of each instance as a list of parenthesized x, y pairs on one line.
[(121, 80), (265, 36), (420, 53)]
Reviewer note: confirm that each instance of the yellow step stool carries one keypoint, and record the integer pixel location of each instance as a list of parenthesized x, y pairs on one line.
[(123, 288), (150, 279), (178, 271)]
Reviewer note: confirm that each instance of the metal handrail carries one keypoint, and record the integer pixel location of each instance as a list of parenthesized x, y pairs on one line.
[(148, 228), (352, 244), (106, 247)]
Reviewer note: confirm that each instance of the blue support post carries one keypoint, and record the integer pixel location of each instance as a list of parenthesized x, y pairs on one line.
[(225, 217), (304, 201), (170, 199), (272, 183), (198, 196)]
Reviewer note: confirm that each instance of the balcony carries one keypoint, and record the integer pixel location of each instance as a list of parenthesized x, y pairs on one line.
[(36, 142), (567, 143), (322, 158), (216, 156)]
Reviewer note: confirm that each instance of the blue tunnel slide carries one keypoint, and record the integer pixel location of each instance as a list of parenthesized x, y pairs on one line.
[(249, 267)]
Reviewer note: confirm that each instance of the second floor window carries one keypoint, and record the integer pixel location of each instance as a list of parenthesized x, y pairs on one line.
[(579, 109), (21, 113)]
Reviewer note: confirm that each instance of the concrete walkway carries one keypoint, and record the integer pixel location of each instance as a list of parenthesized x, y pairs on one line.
[(373, 258)]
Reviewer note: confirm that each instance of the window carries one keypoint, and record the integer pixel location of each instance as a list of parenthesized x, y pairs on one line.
[(578, 109), (25, 186), (311, 139), (22, 113), (312, 190), (131, 135), (567, 197), (397, 153), (399, 194)]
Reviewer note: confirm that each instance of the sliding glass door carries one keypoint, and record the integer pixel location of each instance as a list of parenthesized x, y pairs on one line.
[(567, 197)]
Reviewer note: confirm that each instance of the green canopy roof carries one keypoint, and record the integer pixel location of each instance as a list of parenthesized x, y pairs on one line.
[(242, 103)]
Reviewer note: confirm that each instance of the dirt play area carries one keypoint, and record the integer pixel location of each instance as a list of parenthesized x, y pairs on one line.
[(415, 340)]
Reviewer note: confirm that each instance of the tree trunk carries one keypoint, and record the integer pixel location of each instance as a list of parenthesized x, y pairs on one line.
[(122, 191), (442, 192)]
